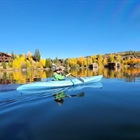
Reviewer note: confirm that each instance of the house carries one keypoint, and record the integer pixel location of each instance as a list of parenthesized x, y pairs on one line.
[(113, 65), (4, 57), (93, 65)]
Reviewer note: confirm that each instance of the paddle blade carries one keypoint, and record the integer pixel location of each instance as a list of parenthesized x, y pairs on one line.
[(81, 94)]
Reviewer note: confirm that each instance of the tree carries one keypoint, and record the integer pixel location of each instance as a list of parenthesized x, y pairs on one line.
[(118, 58), (56, 61), (4, 65), (71, 62), (29, 56), (100, 59), (105, 61), (94, 58), (111, 58), (10, 64), (48, 63), (89, 60), (37, 55), (67, 63), (81, 61), (13, 55)]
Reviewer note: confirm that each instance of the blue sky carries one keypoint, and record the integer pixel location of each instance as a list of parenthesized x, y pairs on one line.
[(69, 28)]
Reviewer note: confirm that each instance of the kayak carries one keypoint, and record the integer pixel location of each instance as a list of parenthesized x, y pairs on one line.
[(38, 86), (58, 84), (52, 91)]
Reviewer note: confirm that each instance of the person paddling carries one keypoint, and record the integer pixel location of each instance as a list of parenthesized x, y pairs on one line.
[(59, 74)]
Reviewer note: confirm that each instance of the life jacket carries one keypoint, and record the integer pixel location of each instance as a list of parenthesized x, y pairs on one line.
[(59, 95), (58, 77)]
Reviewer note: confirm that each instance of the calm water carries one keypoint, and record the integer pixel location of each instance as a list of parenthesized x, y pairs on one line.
[(108, 111)]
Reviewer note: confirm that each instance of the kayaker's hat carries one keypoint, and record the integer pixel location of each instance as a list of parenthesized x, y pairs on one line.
[(57, 69)]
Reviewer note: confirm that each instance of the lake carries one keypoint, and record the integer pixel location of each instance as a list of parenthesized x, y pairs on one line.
[(109, 110)]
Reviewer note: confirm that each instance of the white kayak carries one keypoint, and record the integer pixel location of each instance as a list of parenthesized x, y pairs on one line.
[(49, 85)]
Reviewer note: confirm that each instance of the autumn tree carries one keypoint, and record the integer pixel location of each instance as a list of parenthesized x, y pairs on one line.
[(89, 60), (81, 61), (29, 56), (94, 58), (72, 62), (111, 58), (22, 61), (100, 60), (19, 62), (118, 58), (105, 61)]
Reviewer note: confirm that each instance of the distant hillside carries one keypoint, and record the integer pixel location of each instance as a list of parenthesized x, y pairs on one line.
[(126, 54)]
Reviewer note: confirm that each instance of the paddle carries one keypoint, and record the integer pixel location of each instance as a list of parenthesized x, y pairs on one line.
[(81, 94), (68, 72)]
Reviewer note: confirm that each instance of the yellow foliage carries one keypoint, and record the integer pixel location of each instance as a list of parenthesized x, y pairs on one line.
[(72, 62), (43, 74), (81, 61), (105, 61), (89, 60), (94, 58), (42, 61)]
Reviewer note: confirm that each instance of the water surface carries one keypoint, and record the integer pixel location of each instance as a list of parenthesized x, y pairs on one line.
[(107, 112)]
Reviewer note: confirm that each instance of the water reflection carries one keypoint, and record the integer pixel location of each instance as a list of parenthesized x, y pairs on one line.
[(22, 77), (59, 97), (8, 87), (17, 131)]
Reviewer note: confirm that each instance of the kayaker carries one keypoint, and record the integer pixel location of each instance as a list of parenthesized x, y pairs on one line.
[(59, 74)]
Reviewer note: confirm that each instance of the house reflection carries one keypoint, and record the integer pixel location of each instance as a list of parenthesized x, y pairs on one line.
[(5, 81)]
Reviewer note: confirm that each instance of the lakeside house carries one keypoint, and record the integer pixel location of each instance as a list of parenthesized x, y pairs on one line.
[(93, 65), (5, 57)]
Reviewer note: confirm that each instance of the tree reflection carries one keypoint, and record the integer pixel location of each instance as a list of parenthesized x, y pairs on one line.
[(22, 77)]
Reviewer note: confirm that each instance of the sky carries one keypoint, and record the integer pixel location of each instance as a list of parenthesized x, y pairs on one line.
[(69, 28)]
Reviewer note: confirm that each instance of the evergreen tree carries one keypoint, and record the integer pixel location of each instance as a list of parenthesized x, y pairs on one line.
[(48, 63), (37, 55), (13, 55), (56, 61)]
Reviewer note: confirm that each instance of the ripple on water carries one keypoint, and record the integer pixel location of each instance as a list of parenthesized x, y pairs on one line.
[(10, 98)]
